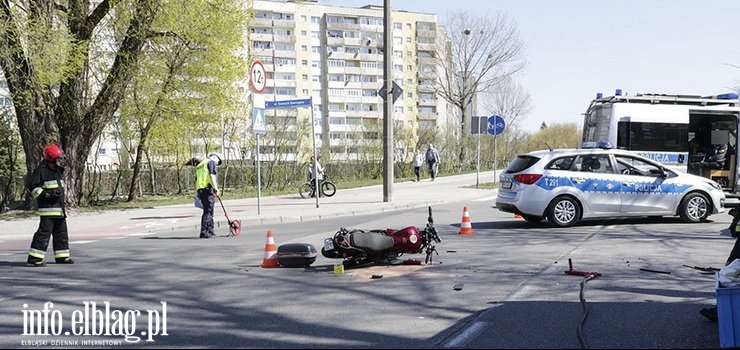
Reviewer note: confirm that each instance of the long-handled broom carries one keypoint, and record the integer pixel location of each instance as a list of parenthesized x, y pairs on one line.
[(235, 227)]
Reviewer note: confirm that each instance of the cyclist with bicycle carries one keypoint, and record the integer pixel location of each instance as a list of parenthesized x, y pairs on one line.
[(316, 172)]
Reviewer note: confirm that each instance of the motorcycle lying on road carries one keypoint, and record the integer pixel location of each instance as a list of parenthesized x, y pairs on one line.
[(360, 247)]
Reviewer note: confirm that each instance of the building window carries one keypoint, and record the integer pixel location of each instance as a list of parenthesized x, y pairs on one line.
[(304, 48), (315, 19), (304, 33), (304, 62), (304, 76), (397, 25), (408, 40), (408, 25)]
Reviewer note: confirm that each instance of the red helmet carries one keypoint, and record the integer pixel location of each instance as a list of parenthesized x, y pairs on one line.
[(52, 152)]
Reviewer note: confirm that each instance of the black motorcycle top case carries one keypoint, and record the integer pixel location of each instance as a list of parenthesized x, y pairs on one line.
[(296, 254)]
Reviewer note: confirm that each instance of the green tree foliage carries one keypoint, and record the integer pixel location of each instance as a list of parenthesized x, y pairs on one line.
[(559, 135), (186, 78), (69, 64), (50, 54), (10, 159)]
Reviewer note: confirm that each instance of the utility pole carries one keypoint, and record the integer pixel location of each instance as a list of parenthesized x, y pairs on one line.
[(388, 103)]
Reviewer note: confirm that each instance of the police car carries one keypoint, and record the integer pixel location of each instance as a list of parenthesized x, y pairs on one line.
[(566, 186)]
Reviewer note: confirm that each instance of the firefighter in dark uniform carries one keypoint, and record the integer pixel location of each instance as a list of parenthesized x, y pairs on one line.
[(47, 186)]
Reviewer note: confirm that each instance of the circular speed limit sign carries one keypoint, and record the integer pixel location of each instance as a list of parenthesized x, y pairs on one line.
[(258, 77)]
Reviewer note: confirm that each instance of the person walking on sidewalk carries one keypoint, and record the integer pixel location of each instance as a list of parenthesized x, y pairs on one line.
[(206, 183), (433, 160), (47, 186), (418, 162)]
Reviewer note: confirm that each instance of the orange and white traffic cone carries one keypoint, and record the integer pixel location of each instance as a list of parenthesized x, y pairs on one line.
[(270, 259), (465, 227)]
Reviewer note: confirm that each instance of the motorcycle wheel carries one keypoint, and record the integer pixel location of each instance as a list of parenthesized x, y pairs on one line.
[(331, 254)]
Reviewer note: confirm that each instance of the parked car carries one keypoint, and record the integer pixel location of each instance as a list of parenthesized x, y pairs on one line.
[(566, 186)]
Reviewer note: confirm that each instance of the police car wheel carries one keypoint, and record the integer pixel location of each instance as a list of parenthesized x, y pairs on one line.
[(695, 207), (564, 211)]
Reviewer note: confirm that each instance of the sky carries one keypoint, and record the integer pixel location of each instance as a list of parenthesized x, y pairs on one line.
[(577, 48)]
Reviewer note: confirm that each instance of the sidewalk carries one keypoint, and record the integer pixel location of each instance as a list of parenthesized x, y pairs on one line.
[(272, 209)]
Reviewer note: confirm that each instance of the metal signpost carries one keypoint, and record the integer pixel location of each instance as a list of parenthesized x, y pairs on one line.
[(258, 80), (496, 126), (478, 126)]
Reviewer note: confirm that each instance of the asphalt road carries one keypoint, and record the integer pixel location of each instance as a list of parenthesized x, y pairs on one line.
[(502, 287)]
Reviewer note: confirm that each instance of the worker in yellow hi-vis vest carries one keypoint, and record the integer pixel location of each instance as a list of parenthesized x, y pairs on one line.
[(206, 183)]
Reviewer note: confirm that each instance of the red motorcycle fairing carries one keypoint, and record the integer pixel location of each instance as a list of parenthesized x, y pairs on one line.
[(406, 240)]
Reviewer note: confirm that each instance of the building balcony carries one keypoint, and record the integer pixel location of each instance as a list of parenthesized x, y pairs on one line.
[(426, 75), (285, 83), (425, 61), (336, 55), (285, 53), (282, 23), (284, 68), (352, 41), (353, 70), (356, 113), (284, 39), (336, 85), (374, 28), (426, 33), (337, 114), (335, 70), (335, 26), (425, 88), (427, 116), (427, 102), (262, 22), (260, 37), (425, 47), (334, 41), (370, 57)]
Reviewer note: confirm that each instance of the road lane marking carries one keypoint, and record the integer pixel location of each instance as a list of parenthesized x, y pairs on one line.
[(83, 242), (486, 199)]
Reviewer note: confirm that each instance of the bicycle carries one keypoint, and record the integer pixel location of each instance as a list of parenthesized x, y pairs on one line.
[(328, 188)]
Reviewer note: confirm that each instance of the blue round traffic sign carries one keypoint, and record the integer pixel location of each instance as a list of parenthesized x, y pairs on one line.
[(496, 125)]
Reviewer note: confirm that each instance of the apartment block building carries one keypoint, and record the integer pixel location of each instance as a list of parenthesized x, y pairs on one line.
[(335, 55)]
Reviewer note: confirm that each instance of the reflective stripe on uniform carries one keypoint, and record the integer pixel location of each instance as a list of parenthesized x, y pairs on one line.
[(36, 253), (50, 212), (50, 184), (37, 192), (61, 254)]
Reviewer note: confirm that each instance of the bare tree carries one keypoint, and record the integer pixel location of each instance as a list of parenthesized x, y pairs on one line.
[(481, 52), (508, 100)]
